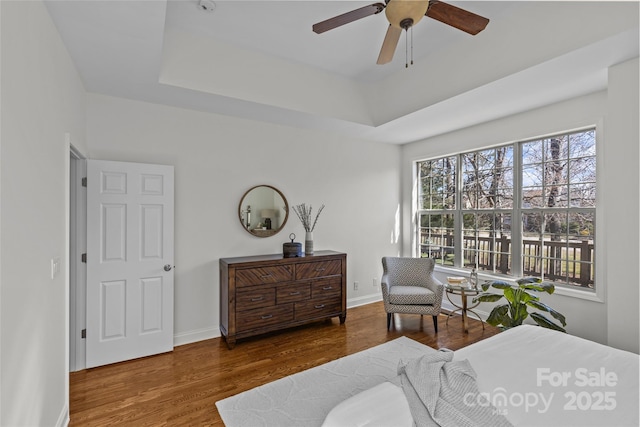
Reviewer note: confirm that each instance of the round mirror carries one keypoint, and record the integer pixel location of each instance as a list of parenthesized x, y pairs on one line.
[(263, 211)]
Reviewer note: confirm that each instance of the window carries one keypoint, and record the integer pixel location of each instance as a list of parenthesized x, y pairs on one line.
[(437, 202), (526, 208)]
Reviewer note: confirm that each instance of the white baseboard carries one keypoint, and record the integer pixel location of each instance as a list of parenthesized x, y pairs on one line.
[(368, 299), (63, 419), (195, 336)]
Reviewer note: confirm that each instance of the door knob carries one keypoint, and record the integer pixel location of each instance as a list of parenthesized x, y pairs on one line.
[(167, 267)]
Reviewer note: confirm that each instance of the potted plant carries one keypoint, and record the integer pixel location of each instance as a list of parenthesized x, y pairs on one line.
[(519, 299)]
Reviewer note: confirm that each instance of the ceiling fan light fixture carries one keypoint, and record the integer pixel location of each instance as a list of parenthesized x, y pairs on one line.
[(398, 11)]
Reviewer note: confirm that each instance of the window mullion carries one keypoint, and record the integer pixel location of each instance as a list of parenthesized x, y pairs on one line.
[(516, 221), (457, 221)]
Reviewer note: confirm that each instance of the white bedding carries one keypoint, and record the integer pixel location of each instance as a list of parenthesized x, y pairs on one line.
[(535, 377)]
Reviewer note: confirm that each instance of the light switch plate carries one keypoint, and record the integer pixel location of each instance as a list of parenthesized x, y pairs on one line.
[(55, 267)]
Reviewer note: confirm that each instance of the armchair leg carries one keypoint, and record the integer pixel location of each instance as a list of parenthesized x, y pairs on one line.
[(435, 323), (388, 321)]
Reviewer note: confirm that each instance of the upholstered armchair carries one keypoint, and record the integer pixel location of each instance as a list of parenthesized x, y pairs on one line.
[(408, 286)]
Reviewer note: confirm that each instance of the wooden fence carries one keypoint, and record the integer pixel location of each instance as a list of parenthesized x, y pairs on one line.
[(570, 262)]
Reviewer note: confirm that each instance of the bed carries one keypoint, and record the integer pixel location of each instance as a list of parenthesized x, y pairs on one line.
[(530, 375)]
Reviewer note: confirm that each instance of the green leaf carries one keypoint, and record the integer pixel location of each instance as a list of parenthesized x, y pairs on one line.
[(546, 323), (499, 284), (487, 297), (510, 295), (498, 316), (526, 280), (507, 322), (532, 297), (519, 313), (542, 287), (542, 306), (525, 296)]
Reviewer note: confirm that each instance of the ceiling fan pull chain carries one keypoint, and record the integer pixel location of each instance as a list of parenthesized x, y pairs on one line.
[(411, 45), (406, 48), (406, 45)]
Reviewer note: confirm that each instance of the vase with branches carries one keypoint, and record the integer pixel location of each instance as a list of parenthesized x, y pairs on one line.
[(305, 214)]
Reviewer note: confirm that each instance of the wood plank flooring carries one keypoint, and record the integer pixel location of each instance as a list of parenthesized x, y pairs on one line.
[(180, 388)]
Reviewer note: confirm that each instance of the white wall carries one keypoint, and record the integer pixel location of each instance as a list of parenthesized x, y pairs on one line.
[(615, 111), (217, 159), (42, 100), (621, 200)]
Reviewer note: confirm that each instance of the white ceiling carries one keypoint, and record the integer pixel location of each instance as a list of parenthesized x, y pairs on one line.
[(260, 60)]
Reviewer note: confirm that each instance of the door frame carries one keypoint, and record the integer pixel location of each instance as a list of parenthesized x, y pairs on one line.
[(77, 269)]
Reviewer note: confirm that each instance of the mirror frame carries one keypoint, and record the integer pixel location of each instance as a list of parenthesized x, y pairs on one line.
[(263, 233)]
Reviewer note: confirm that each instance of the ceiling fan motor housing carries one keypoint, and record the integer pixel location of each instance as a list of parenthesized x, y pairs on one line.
[(207, 5)]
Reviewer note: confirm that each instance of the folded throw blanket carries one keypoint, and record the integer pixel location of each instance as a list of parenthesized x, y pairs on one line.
[(444, 393)]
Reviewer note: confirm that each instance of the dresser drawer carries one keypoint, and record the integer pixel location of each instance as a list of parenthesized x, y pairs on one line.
[(263, 275), (261, 317), (326, 288), (317, 308), (293, 293), (255, 298), (310, 270)]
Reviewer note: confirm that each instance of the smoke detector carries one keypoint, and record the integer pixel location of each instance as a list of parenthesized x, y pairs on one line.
[(207, 5)]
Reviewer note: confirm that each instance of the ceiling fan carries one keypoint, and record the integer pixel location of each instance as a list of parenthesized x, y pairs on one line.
[(404, 14)]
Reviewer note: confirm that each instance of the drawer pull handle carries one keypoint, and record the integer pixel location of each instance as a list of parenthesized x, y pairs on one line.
[(327, 288), (320, 269), (257, 299), (294, 293), (266, 276), (267, 317), (320, 306)]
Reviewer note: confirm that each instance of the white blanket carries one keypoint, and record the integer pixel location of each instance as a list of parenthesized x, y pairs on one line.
[(437, 390)]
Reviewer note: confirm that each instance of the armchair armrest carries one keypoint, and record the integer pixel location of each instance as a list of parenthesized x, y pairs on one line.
[(384, 284), (435, 284), (437, 287)]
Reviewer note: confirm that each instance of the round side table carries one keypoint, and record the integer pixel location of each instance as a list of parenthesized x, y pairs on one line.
[(464, 291)]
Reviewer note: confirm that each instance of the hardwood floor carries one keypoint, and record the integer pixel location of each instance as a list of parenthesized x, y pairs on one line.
[(180, 388)]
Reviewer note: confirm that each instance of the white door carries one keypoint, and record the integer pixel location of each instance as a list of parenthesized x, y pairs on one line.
[(129, 261)]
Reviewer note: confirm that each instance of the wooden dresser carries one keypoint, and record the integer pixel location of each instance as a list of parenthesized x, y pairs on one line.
[(265, 293)]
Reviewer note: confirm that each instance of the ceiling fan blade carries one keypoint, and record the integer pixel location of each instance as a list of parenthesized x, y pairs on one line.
[(456, 17), (348, 17), (389, 45)]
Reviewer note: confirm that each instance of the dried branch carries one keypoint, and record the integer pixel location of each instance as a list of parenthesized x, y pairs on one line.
[(304, 213)]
